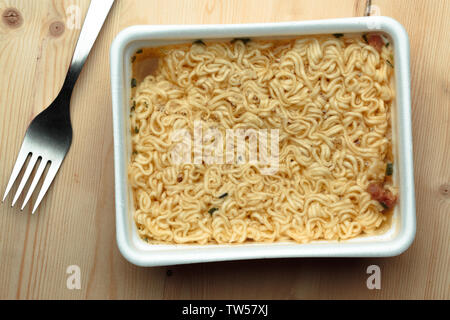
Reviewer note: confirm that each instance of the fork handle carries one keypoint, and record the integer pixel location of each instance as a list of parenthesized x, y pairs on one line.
[(95, 17)]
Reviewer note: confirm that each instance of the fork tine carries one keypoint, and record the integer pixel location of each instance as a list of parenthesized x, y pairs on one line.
[(35, 181), (52, 171), (25, 177), (21, 158)]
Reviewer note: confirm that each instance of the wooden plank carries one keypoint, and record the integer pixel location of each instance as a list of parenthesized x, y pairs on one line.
[(75, 223)]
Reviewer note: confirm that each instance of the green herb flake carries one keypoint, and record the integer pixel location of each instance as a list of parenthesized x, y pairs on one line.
[(390, 64), (135, 153), (136, 130), (139, 51), (389, 169), (223, 195), (133, 59), (338, 35), (199, 41), (385, 207), (212, 210), (364, 36), (133, 82), (133, 106), (387, 44)]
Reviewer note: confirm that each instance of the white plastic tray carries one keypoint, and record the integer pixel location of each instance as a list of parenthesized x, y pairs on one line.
[(393, 242)]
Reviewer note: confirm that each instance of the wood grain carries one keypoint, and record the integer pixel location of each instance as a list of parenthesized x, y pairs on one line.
[(75, 223)]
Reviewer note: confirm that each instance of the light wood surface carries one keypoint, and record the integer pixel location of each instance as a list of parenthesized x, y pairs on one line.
[(75, 223)]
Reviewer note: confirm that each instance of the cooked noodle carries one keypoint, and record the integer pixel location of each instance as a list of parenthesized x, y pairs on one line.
[(330, 99)]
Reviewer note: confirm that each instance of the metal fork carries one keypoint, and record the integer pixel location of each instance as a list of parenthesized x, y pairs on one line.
[(49, 134)]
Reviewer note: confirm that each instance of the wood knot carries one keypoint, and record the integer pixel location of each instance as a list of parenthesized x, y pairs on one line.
[(57, 28), (445, 190), (12, 18)]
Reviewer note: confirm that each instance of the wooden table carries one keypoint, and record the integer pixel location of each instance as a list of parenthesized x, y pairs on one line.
[(75, 223)]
